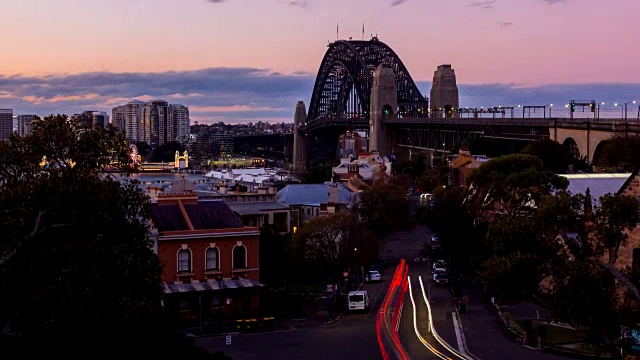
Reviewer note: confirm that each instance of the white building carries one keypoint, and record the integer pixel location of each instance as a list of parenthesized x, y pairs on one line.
[(368, 166), (129, 118)]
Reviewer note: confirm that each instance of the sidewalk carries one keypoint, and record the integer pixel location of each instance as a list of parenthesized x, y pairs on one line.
[(485, 337)]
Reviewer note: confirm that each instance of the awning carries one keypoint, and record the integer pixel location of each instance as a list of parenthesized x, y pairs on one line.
[(209, 285)]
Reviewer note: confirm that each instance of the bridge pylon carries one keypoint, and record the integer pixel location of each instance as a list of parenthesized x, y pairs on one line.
[(300, 141), (384, 106)]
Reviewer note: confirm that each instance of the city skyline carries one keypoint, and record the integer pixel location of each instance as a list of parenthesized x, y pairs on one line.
[(232, 62)]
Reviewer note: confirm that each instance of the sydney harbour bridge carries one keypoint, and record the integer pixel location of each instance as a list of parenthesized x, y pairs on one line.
[(363, 85)]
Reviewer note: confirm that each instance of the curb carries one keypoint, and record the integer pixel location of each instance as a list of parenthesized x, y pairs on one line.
[(463, 339), (339, 317)]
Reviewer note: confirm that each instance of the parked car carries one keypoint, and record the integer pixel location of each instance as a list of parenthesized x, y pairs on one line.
[(373, 275), (438, 272), (441, 278), (439, 264)]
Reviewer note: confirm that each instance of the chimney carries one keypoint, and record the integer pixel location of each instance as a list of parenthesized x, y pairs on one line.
[(334, 193)]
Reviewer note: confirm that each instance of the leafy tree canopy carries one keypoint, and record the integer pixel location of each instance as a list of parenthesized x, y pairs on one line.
[(77, 270), (515, 182), (555, 156), (384, 208), (167, 152), (336, 243), (621, 154)]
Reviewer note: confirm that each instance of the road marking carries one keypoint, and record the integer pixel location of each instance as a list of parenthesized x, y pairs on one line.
[(433, 329)]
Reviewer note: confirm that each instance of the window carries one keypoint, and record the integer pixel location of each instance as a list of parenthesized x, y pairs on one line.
[(636, 259), (184, 261), (239, 257), (212, 259)]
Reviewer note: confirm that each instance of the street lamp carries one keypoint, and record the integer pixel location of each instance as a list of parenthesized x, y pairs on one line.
[(550, 106), (625, 109)]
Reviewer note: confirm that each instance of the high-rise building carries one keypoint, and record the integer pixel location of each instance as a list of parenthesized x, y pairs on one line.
[(129, 118), (181, 124), (24, 123), (155, 115), (6, 123), (222, 144), (92, 119)]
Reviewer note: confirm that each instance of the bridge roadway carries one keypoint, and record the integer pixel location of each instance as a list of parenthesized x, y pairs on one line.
[(607, 124)]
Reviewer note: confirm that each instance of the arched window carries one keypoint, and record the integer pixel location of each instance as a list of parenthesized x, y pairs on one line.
[(212, 259), (239, 257), (184, 261)]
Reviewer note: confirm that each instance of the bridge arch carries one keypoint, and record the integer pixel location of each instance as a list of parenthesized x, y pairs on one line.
[(597, 153), (345, 78), (571, 146)]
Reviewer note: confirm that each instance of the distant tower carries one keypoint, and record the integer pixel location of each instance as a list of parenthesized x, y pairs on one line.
[(444, 93), (384, 105), (300, 143)]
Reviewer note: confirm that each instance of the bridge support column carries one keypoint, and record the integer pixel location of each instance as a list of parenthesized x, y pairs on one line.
[(300, 141), (384, 105)]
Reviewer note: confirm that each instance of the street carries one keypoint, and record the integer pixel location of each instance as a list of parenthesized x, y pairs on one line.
[(352, 337)]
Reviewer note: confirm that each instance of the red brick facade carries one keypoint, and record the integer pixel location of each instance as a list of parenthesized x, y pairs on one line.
[(184, 230), (223, 240)]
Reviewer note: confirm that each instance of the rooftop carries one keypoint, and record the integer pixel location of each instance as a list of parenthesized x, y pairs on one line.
[(598, 184), (308, 194), (202, 215)]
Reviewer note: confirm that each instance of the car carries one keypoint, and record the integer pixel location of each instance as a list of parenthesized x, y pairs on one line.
[(439, 264), (438, 272), (441, 278), (373, 275)]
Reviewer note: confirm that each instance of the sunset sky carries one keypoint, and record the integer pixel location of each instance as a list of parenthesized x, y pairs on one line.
[(251, 60)]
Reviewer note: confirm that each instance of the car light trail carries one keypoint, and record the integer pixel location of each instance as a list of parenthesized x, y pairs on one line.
[(431, 327), (415, 326)]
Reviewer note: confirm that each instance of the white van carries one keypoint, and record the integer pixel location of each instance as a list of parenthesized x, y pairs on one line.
[(358, 300)]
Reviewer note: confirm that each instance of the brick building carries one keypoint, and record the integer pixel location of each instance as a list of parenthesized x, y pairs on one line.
[(211, 267)]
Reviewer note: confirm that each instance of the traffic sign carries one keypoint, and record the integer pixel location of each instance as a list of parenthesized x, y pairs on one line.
[(228, 340)]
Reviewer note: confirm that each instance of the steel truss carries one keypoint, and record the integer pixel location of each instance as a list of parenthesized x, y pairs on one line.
[(343, 85), (436, 139)]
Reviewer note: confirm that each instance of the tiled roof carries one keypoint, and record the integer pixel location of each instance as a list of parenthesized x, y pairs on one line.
[(203, 215), (303, 194), (212, 215), (168, 217)]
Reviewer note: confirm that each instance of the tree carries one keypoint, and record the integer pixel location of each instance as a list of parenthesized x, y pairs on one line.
[(514, 182), (318, 174), (274, 262), (573, 275), (77, 269), (620, 154), (554, 155), (335, 243), (414, 167), (144, 150), (433, 178), (384, 208), (460, 235), (167, 152)]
